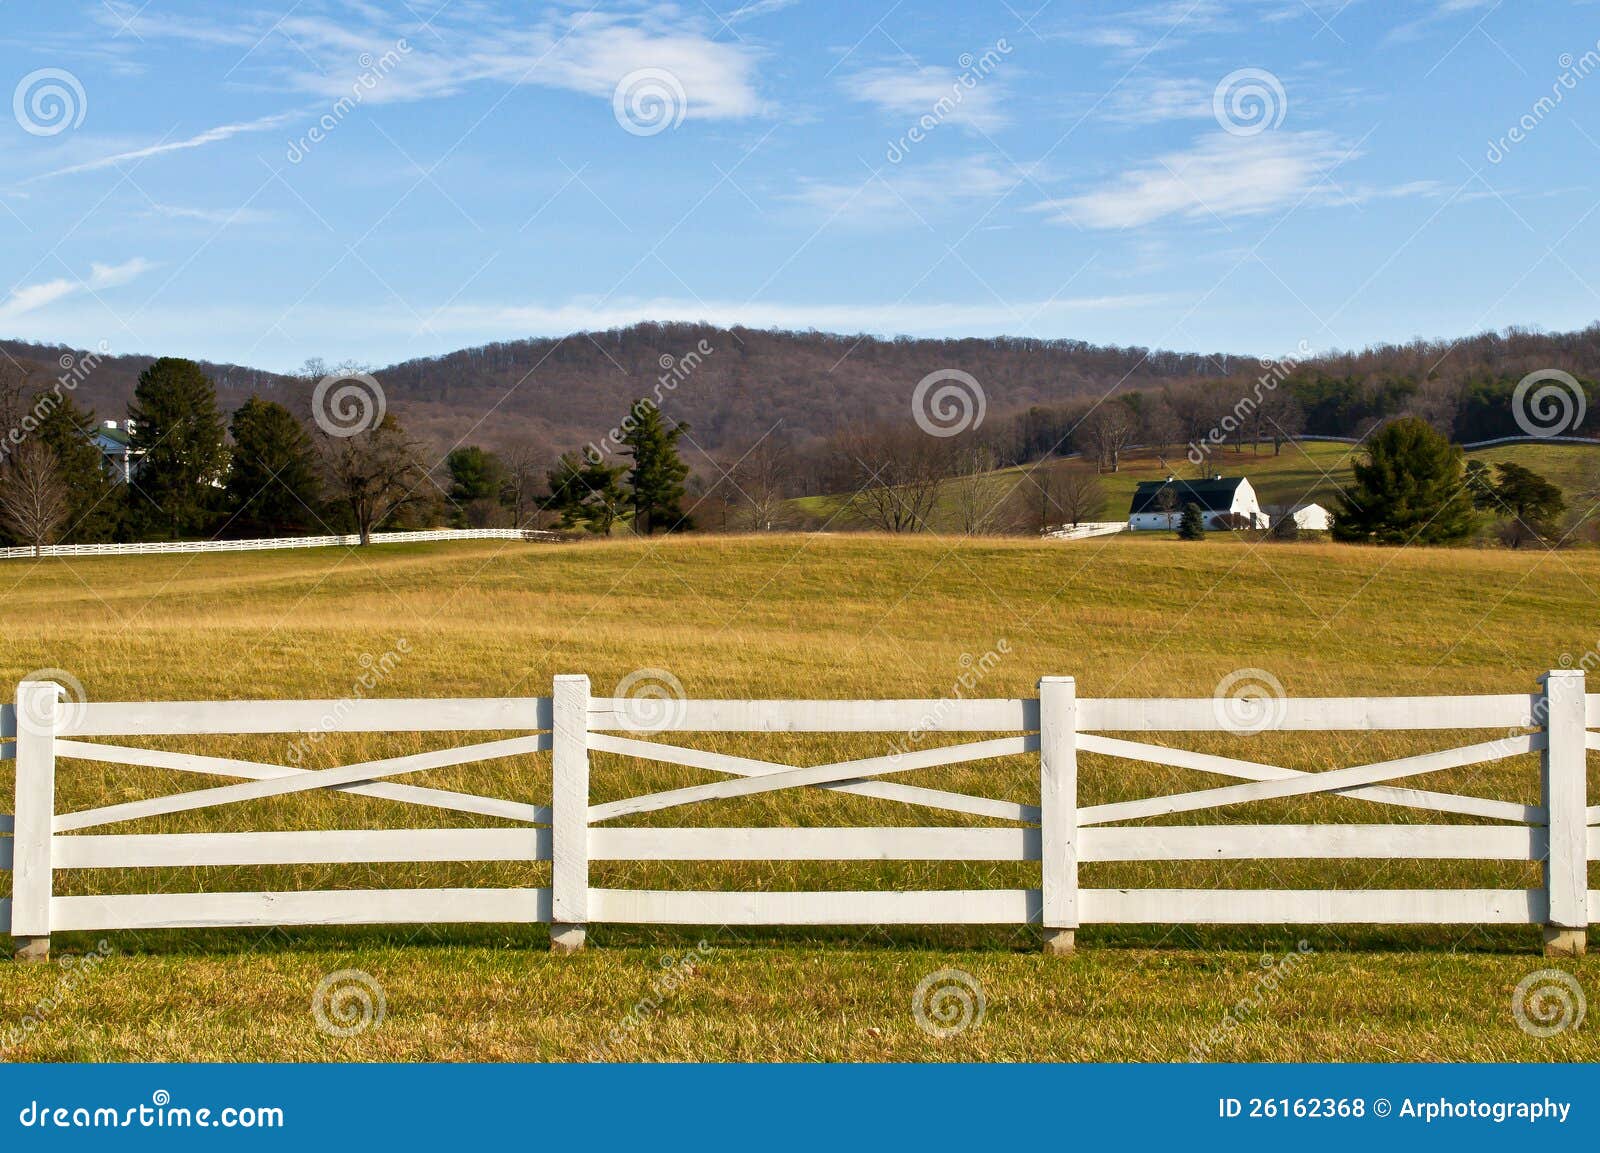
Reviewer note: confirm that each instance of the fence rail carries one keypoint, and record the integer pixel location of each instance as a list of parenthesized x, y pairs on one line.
[(345, 540), (1557, 829)]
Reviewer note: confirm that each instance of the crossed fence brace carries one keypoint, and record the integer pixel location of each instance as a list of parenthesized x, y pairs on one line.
[(1557, 832)]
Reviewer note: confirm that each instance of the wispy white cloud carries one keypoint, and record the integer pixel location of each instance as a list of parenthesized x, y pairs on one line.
[(210, 136), (1147, 28), (32, 297), (1223, 176), (207, 215), (909, 192), (1155, 100), (1441, 10), (587, 52), (914, 91), (1226, 176), (757, 8)]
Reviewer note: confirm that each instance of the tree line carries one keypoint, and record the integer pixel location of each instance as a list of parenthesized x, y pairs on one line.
[(268, 471), (196, 475), (272, 469)]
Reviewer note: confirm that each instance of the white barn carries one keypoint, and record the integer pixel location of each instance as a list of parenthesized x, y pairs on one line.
[(1159, 504)]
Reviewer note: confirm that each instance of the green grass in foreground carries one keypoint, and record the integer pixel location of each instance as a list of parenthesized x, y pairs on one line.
[(798, 617)]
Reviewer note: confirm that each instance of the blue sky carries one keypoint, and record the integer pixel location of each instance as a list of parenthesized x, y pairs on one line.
[(359, 179)]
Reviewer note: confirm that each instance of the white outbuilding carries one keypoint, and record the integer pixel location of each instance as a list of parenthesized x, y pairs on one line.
[(1225, 502), (1311, 518)]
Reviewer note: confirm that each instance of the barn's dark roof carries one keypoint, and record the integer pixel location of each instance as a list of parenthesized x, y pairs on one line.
[(1210, 495)]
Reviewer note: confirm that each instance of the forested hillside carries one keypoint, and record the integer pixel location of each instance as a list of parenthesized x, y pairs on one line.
[(733, 385)]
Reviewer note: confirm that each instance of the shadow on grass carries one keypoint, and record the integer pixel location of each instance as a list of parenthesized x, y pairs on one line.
[(1254, 939)]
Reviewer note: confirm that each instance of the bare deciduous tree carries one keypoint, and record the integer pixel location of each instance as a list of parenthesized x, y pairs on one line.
[(34, 499), (1079, 494), (1282, 416), (1159, 426), (895, 475), (763, 477), (1109, 429), (1068, 495), (374, 474), (972, 485), (519, 491)]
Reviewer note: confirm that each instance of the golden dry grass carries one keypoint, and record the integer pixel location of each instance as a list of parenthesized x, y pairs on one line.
[(827, 616)]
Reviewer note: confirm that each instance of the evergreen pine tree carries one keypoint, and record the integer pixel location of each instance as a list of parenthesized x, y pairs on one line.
[(1410, 489), (476, 478), (1193, 524), (657, 476), (93, 512), (585, 493), (177, 431), (273, 488)]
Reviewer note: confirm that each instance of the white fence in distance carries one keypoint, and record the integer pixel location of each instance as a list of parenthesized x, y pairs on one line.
[(1085, 529), (1558, 828), (337, 540)]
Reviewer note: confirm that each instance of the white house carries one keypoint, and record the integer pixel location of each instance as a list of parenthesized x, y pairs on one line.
[(1159, 504), (1311, 518), (116, 446)]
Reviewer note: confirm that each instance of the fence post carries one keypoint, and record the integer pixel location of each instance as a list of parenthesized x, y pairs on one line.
[(569, 814), (32, 879), (1058, 811), (1564, 766)]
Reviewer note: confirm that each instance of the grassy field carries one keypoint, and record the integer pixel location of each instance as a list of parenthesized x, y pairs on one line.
[(1304, 472), (801, 616)]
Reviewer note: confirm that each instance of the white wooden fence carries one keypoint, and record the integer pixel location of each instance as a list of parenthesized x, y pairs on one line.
[(338, 540), (1558, 828)]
